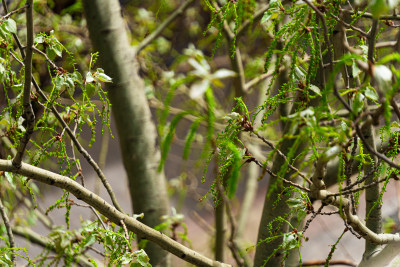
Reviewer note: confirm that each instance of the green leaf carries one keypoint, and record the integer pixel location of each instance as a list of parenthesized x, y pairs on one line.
[(11, 179), (315, 89), (232, 182), (51, 53), (104, 78), (290, 241), (371, 93), (58, 48), (69, 83), (269, 15), (295, 203), (90, 89), (89, 77), (190, 137), (90, 241), (126, 258), (166, 144), (10, 26), (358, 103), (39, 39), (76, 77)]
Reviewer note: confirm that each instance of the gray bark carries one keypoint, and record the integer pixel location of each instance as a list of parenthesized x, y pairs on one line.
[(136, 131)]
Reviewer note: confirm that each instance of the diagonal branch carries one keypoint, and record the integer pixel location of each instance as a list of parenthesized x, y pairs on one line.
[(146, 41), (111, 212), (45, 242), (70, 133), (9, 14), (283, 156)]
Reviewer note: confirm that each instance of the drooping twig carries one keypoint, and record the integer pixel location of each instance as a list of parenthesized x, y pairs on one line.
[(70, 133), (52, 64)]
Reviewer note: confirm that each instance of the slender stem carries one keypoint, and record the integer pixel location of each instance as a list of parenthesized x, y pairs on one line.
[(283, 156), (250, 84), (9, 230), (9, 14), (354, 28), (371, 40), (52, 64)]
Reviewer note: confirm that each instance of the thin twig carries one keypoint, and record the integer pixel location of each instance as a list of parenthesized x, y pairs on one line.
[(376, 153), (371, 40), (13, 34), (266, 169), (283, 156), (9, 230), (145, 42), (354, 28), (52, 64), (331, 262), (9, 14), (260, 78), (236, 252), (370, 16)]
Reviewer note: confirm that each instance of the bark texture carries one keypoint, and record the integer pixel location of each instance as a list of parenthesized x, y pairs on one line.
[(136, 131)]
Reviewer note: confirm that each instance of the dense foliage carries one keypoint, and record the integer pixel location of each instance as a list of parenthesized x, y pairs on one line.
[(303, 92)]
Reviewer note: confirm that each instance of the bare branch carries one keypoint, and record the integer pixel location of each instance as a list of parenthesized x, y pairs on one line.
[(354, 28), (283, 156), (260, 78), (9, 14), (110, 212)]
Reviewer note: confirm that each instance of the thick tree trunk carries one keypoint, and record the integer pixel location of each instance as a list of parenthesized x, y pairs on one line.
[(136, 131)]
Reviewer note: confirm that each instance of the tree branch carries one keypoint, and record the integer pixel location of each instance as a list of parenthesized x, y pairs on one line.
[(70, 133), (9, 230), (110, 212), (146, 41), (28, 111), (45, 242)]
